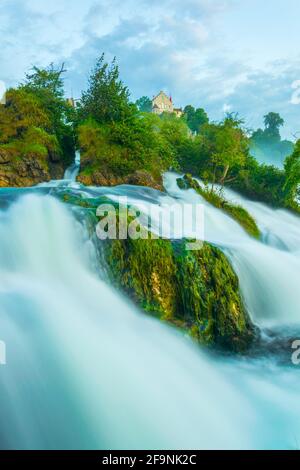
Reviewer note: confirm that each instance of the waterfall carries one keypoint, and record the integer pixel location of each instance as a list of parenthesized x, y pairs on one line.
[(86, 369), (268, 269), (73, 170)]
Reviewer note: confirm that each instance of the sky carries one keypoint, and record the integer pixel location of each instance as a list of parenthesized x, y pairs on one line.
[(224, 55)]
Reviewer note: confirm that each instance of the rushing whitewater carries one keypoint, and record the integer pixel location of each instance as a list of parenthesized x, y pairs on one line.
[(269, 270), (73, 170), (86, 369)]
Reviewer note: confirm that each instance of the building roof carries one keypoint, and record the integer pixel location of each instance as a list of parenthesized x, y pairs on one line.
[(161, 93)]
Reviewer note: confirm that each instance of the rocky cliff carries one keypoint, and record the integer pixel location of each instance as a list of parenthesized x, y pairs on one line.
[(28, 170)]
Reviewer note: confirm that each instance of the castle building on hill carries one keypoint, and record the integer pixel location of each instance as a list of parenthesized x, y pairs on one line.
[(162, 103)]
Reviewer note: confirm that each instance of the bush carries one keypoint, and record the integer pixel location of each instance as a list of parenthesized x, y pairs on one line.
[(145, 142)]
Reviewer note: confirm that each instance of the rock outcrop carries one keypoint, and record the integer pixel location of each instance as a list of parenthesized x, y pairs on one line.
[(138, 178), (17, 171), (196, 291)]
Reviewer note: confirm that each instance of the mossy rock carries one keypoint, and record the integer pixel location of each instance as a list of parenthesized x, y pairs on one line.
[(236, 212), (211, 303), (195, 290)]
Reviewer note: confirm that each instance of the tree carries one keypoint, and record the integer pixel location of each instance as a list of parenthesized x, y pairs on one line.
[(144, 104), (266, 145), (292, 174), (189, 112), (195, 118), (48, 87), (24, 129), (273, 121), (226, 147), (107, 98), (47, 84), (22, 111)]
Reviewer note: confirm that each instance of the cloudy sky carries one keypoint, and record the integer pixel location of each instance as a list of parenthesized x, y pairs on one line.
[(237, 55)]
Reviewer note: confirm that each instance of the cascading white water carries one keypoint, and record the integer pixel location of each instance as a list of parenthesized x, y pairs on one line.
[(73, 170), (85, 369), (268, 270)]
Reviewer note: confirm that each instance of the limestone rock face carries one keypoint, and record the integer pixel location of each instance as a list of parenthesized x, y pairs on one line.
[(5, 156), (143, 178), (138, 178), (26, 171)]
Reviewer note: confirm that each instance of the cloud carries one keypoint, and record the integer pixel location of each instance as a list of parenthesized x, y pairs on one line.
[(295, 98), (33, 33), (179, 46), (160, 49), (226, 108), (270, 90)]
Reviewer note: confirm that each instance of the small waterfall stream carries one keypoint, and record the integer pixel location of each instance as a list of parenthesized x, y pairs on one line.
[(73, 170)]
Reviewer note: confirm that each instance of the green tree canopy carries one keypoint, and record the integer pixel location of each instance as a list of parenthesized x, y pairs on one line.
[(195, 118), (21, 111), (273, 122), (226, 146), (107, 98), (292, 172), (24, 128), (46, 84), (144, 104)]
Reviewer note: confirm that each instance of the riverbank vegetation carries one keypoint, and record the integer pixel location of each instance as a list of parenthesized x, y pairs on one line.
[(36, 131), (122, 142), (116, 143), (115, 138)]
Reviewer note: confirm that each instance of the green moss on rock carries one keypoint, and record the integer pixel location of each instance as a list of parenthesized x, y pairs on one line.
[(210, 299), (196, 290), (238, 213), (146, 270)]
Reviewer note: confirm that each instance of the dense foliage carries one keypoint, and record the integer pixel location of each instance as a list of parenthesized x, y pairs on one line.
[(144, 104), (25, 125), (221, 153), (47, 86), (195, 118), (35, 125), (125, 142), (292, 178), (122, 147), (116, 138)]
